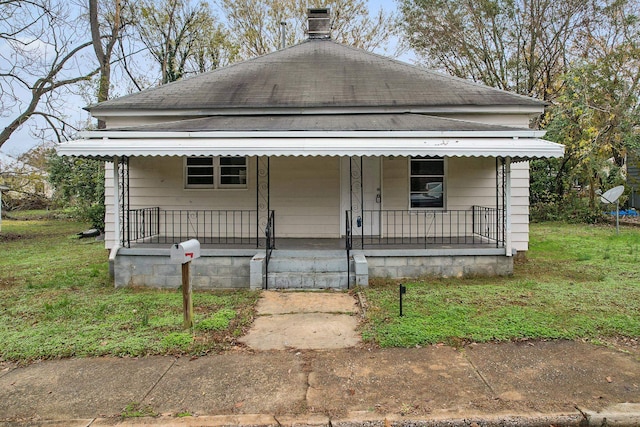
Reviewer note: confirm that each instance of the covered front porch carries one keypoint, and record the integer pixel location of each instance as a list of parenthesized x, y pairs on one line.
[(255, 247), (313, 212)]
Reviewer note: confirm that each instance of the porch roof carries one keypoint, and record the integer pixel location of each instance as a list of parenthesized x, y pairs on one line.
[(521, 145)]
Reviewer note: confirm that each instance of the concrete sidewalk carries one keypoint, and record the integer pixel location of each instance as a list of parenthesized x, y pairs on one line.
[(528, 384), (304, 365)]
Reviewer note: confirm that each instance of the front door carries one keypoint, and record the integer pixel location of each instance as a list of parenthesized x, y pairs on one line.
[(361, 190)]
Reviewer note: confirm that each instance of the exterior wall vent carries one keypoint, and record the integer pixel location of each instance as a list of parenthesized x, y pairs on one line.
[(319, 23)]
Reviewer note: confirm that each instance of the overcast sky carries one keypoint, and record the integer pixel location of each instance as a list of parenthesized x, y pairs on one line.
[(22, 141)]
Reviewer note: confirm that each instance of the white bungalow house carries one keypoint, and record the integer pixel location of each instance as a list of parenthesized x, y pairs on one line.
[(319, 165)]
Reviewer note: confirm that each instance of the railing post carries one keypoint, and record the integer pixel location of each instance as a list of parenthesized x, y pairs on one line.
[(426, 231), (348, 216), (473, 220), (269, 245)]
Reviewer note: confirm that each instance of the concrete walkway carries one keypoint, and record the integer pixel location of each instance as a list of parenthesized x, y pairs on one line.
[(305, 321), (559, 383)]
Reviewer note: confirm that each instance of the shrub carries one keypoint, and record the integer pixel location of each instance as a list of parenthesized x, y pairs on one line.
[(571, 208)]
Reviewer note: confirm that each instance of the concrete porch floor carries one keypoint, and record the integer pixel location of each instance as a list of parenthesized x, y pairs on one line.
[(321, 244)]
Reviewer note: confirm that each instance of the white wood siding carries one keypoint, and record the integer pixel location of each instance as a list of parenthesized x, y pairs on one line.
[(305, 194), (520, 205), (109, 232)]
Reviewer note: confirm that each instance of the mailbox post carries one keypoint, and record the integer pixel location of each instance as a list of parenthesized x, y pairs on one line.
[(183, 253)]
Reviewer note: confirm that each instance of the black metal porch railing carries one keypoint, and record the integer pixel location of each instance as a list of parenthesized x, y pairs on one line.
[(270, 238), (143, 224), (221, 227), (488, 224), (475, 226)]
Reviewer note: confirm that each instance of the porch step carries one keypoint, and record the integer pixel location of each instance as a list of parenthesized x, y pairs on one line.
[(308, 269), (309, 253), (307, 280), (302, 265)]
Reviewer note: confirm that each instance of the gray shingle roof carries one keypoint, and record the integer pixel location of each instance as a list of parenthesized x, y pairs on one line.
[(318, 122), (316, 74)]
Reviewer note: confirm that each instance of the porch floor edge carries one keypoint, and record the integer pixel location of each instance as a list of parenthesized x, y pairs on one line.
[(154, 251), (431, 252), (389, 252)]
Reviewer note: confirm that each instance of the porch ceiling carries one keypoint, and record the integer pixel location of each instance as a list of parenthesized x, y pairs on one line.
[(440, 144)]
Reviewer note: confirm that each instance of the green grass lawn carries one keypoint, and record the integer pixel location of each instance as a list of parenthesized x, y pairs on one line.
[(579, 281), (56, 300)]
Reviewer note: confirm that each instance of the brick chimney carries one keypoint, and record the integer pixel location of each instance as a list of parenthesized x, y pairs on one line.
[(319, 23)]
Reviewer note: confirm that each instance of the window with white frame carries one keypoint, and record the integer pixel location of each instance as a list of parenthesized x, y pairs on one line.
[(215, 172), (426, 182)]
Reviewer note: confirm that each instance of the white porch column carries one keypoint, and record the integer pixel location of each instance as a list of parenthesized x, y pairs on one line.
[(507, 207), (116, 219), (116, 201)]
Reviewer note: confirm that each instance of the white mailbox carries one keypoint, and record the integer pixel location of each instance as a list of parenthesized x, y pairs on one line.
[(184, 252)]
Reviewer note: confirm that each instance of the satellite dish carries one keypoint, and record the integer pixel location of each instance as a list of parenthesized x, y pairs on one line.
[(612, 195)]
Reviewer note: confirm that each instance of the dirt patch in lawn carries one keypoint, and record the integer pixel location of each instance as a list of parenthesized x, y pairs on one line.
[(7, 282), (10, 237), (624, 344)]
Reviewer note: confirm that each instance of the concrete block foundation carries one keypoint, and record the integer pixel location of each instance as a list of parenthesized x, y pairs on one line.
[(439, 266), (244, 269), (153, 268)]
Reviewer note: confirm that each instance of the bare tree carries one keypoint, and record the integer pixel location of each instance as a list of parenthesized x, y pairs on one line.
[(104, 44), (256, 24), (43, 55), (517, 45), (183, 38)]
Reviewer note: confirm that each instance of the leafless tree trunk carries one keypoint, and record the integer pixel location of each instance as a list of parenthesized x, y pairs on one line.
[(43, 59), (104, 54)]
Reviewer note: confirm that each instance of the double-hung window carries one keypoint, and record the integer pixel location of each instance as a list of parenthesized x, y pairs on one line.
[(216, 172), (426, 182)]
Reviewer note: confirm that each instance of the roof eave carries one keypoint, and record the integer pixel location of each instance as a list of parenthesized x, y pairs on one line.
[(433, 110), (124, 134)]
